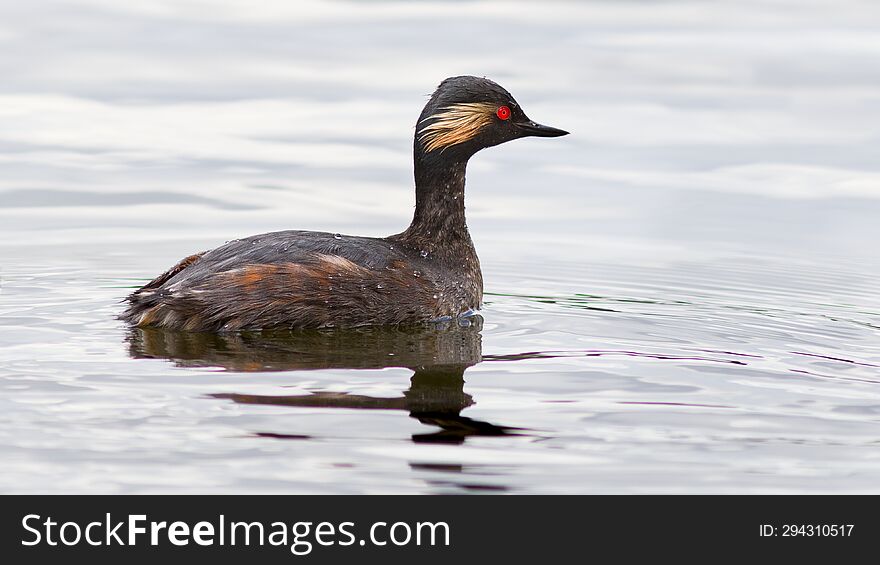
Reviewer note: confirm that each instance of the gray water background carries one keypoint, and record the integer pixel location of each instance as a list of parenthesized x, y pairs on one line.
[(681, 296)]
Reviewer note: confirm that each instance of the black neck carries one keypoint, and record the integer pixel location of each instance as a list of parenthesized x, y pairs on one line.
[(438, 221)]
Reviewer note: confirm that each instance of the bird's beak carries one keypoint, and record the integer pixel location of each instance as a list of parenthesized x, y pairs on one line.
[(538, 130)]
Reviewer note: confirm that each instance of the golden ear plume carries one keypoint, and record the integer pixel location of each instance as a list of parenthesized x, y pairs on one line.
[(455, 124)]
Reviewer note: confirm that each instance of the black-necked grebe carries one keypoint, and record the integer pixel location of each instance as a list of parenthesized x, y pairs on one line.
[(301, 279)]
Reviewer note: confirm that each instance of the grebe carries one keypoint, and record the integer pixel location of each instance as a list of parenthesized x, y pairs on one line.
[(302, 279)]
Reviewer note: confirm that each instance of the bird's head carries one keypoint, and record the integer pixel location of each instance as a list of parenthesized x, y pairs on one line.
[(466, 114)]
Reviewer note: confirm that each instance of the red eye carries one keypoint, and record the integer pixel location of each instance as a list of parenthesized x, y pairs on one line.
[(503, 112)]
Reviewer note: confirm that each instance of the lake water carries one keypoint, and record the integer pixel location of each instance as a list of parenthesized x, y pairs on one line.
[(682, 295)]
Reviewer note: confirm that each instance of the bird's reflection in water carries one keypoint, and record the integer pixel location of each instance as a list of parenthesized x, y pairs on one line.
[(438, 355)]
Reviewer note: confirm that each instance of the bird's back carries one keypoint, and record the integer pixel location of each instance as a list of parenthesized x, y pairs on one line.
[(300, 279)]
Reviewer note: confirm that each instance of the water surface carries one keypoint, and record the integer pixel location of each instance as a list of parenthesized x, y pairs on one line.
[(681, 295)]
